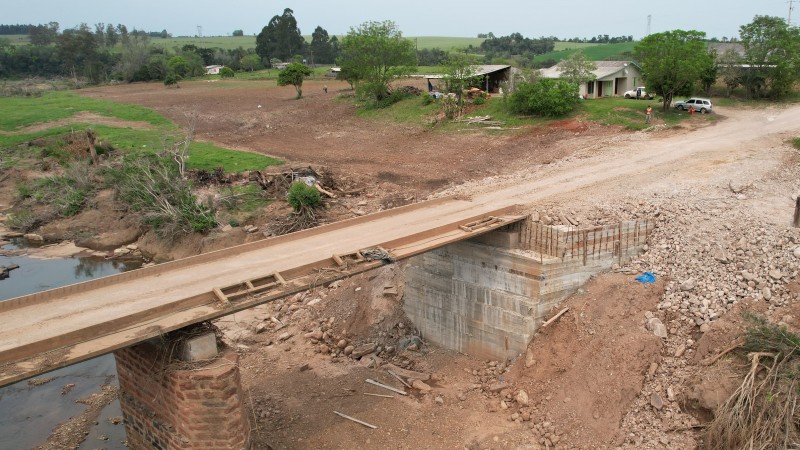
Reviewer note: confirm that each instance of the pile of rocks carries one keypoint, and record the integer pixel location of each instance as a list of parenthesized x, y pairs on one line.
[(127, 251)]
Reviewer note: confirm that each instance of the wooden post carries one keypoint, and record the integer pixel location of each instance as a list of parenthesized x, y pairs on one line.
[(796, 221)]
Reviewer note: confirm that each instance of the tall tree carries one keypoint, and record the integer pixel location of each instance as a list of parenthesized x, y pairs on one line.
[(43, 34), (79, 52), (374, 54), (672, 62), (321, 51), (577, 69), (112, 37), (772, 51), (280, 38)]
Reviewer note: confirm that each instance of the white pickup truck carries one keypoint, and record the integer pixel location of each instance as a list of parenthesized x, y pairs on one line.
[(642, 95)]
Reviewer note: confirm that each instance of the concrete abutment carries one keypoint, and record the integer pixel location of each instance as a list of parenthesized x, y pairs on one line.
[(487, 296), (194, 402)]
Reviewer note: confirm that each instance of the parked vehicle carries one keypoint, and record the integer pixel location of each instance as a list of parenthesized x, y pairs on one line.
[(642, 94), (701, 105)]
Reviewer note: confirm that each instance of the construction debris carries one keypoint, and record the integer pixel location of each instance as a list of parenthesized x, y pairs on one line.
[(375, 383), (480, 120), (355, 420)]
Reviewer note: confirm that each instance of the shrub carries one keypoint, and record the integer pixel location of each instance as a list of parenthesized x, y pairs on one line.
[(22, 220), (66, 193), (302, 196), (427, 99), (171, 80), (226, 72), (546, 97), (152, 185), (479, 100)]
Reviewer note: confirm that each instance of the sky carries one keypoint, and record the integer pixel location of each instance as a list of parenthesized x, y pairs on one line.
[(463, 18)]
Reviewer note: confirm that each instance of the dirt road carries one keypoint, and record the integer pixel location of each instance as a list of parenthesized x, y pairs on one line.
[(745, 143)]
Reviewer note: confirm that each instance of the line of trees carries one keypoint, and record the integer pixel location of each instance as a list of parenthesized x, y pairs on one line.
[(111, 52), (6, 29)]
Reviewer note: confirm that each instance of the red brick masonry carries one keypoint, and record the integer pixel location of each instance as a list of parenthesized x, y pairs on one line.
[(170, 409)]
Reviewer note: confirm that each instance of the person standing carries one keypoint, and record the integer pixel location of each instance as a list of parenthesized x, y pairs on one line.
[(648, 114)]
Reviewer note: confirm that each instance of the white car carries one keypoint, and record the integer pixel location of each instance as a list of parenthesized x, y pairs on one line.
[(702, 105), (642, 94)]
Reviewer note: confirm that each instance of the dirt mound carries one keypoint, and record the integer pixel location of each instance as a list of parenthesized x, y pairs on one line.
[(584, 370)]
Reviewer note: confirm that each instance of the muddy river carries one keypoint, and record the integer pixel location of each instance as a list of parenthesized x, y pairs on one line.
[(29, 411)]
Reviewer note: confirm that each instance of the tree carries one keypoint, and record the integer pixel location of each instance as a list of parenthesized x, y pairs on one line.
[(548, 97), (79, 53), (672, 62), (294, 74), (730, 69), (178, 66), (280, 38), (374, 54), (42, 35), (577, 69), (112, 37), (134, 55), (321, 51), (772, 51), (251, 63), (238, 33), (459, 74), (226, 72), (709, 74)]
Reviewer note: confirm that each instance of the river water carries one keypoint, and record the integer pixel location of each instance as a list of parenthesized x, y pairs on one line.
[(28, 413)]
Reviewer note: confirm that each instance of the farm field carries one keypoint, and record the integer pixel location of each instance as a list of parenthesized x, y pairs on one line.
[(597, 52)]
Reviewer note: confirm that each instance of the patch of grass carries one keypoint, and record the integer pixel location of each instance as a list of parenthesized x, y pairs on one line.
[(224, 42), (445, 42), (20, 112), (631, 113), (204, 155), (408, 110), (796, 143)]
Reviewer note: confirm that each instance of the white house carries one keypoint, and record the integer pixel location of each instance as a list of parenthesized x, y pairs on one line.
[(213, 69), (612, 78)]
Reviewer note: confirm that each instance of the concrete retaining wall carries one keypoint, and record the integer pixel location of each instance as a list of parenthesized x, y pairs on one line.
[(486, 298)]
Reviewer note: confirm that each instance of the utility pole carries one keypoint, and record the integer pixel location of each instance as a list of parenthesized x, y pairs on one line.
[(791, 8), (199, 31), (649, 19)]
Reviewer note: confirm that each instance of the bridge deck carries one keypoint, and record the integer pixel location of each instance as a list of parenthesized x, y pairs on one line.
[(55, 328)]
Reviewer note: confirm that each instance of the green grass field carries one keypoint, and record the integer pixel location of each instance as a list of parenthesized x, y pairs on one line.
[(26, 111), (594, 52), (16, 39)]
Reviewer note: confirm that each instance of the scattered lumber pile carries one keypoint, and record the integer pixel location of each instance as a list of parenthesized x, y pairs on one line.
[(480, 120)]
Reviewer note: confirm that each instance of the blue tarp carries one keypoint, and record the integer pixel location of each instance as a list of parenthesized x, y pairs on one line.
[(646, 278)]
